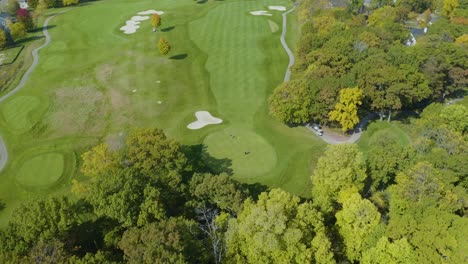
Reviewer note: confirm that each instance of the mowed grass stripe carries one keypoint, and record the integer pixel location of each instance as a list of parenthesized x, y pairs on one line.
[(235, 58), (17, 112)]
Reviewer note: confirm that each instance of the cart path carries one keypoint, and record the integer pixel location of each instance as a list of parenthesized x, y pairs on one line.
[(45, 31), (287, 76)]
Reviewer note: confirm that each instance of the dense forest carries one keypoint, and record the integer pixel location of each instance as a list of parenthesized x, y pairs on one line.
[(371, 48), (158, 201)]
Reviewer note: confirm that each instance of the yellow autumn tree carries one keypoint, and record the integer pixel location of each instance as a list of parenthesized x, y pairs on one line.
[(449, 6), (164, 46), (155, 21), (346, 110), (99, 160)]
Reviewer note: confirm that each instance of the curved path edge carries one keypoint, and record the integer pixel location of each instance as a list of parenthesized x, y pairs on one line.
[(35, 53), (287, 76)]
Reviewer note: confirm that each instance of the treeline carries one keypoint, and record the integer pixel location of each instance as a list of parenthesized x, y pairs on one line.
[(156, 201), (370, 48), (25, 19)]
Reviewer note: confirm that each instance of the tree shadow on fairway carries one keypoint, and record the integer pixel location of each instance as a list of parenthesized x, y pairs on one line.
[(179, 56), (24, 40), (2, 205), (255, 189), (39, 29), (167, 29), (201, 161), (202, 2)]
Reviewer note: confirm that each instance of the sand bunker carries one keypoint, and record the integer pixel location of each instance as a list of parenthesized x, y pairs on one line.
[(150, 12), (260, 13), (139, 18), (279, 8), (132, 25), (204, 118)]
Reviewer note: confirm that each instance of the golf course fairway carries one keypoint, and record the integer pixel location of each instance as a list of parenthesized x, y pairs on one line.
[(94, 83)]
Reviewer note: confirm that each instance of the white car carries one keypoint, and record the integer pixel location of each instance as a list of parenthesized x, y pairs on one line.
[(317, 129)]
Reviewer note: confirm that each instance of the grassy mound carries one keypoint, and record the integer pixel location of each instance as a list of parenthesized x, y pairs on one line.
[(250, 154), (41, 171), (382, 130), (17, 112)]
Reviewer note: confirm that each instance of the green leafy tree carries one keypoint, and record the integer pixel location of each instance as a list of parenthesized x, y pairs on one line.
[(53, 3), (346, 110), (3, 39), (342, 167), (70, 2), (218, 190), (386, 159), (168, 241), (396, 252), (10, 7), (389, 88), (356, 222), (291, 102), (44, 219), (125, 196), (153, 154), (40, 9), (456, 117), (17, 30), (164, 46), (423, 209), (33, 3), (276, 229)]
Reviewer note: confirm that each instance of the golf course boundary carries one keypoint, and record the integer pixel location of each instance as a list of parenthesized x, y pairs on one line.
[(35, 53)]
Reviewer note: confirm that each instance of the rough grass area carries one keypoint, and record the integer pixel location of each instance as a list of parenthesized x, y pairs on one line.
[(8, 56), (41, 171), (18, 113)]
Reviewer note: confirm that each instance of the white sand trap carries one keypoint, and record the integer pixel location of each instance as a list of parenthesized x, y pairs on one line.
[(132, 24), (204, 118), (279, 8), (130, 27), (150, 12), (260, 13), (159, 102), (139, 18), (134, 91)]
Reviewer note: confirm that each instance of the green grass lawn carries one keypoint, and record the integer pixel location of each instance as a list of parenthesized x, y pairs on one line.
[(9, 55), (382, 129), (41, 171), (93, 82)]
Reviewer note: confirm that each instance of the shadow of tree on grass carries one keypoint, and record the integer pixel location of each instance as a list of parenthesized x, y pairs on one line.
[(202, 162), (179, 56), (167, 29)]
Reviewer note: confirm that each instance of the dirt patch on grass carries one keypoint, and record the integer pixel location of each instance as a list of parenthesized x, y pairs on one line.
[(104, 73), (78, 110)]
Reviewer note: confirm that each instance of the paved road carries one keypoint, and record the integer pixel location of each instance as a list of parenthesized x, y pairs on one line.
[(287, 76), (330, 138), (3, 149)]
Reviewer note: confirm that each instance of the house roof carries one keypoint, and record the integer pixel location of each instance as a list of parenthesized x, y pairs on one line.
[(5, 16)]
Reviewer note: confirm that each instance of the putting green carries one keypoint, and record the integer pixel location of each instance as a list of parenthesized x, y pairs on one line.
[(17, 112), (250, 154), (41, 171)]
